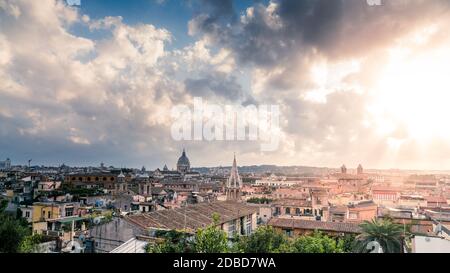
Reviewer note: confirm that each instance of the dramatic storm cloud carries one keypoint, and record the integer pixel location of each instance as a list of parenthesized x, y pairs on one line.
[(355, 83)]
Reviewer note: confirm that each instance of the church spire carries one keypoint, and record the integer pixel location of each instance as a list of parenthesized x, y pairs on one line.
[(234, 183)]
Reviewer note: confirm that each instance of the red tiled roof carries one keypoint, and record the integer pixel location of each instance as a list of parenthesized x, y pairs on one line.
[(192, 217), (436, 199), (315, 225)]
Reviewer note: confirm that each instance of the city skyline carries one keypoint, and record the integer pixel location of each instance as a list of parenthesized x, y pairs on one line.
[(173, 166), (355, 83)]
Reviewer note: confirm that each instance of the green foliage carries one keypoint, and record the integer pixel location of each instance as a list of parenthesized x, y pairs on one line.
[(77, 192), (317, 243), (19, 213), (30, 244), (256, 200), (388, 234), (216, 218), (211, 240), (348, 242), (207, 240), (108, 216), (3, 205), (172, 242), (267, 240), (264, 240), (12, 232)]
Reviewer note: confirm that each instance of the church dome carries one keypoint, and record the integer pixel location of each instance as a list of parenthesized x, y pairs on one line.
[(183, 163), (183, 160)]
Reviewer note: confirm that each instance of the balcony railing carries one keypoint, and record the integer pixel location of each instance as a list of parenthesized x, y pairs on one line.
[(53, 233)]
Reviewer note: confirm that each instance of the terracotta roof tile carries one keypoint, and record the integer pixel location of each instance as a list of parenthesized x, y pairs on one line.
[(197, 216), (315, 225)]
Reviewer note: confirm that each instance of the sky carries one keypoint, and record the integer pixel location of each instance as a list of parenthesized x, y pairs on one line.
[(354, 83)]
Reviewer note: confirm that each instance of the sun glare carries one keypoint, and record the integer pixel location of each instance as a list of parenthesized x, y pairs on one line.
[(413, 92)]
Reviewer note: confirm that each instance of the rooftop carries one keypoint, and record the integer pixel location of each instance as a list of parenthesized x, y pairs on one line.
[(292, 202), (315, 225), (363, 204), (133, 245), (191, 217)]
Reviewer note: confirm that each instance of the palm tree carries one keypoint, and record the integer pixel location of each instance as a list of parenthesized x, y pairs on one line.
[(384, 232)]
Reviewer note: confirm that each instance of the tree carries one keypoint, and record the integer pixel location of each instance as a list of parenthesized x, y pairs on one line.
[(12, 230), (3, 205), (207, 240), (256, 200), (12, 233), (264, 240), (386, 233), (30, 244), (172, 242), (211, 239), (348, 242), (317, 243)]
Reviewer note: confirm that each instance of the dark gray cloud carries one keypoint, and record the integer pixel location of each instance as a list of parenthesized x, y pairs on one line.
[(284, 39), (336, 29)]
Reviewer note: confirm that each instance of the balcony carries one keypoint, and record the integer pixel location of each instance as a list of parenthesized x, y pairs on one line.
[(53, 233)]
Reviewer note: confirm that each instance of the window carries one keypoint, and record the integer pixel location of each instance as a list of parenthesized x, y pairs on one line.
[(288, 210), (49, 214), (69, 212), (248, 230), (288, 232), (27, 214), (277, 211), (297, 211), (231, 228), (353, 216)]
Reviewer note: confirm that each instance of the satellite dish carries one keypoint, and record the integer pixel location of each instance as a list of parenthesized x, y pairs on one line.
[(74, 247), (68, 197), (98, 220)]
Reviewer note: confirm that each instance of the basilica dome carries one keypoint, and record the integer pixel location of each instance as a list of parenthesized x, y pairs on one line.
[(183, 164)]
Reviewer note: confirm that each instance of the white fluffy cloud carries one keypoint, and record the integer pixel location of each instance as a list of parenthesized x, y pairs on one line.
[(66, 98)]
